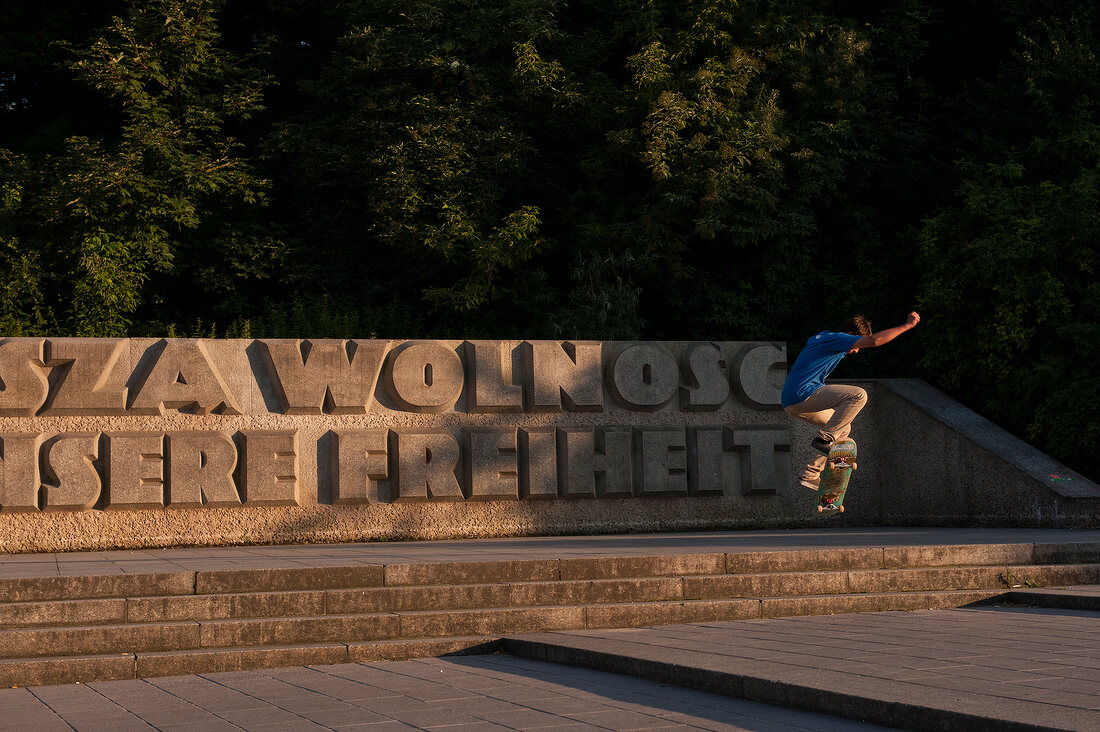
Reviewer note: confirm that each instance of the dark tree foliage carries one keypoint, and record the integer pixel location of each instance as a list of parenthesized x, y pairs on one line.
[(678, 169)]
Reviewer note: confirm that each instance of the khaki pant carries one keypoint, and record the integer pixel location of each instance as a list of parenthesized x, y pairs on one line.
[(831, 409)]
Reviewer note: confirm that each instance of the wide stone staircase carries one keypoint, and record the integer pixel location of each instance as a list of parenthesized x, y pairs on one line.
[(63, 629)]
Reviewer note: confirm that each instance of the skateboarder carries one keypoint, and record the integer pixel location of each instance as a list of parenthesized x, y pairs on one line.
[(831, 407)]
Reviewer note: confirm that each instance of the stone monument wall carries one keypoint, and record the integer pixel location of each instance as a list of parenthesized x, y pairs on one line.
[(134, 443), (149, 443)]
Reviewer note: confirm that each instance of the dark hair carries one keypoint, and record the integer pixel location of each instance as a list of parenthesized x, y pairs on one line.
[(857, 325)]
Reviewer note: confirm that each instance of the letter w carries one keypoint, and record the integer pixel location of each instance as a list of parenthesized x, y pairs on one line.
[(315, 377)]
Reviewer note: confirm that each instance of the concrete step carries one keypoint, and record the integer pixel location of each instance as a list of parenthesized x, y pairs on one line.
[(490, 621), (350, 601), (68, 655), (147, 664), (212, 582), (134, 625), (1073, 597)]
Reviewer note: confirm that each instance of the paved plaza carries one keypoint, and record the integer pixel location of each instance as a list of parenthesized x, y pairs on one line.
[(1031, 662), (449, 694)]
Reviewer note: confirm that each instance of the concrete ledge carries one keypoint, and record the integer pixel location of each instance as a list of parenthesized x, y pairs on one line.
[(224, 607), (1047, 575), (656, 566), (1072, 552), (67, 670), (456, 573), (62, 612), (402, 650), (95, 640), (957, 555), (765, 585), (805, 560), (913, 580), (786, 607), (289, 578), (200, 661), (962, 470), (492, 621), (278, 631), (632, 615), (93, 585), (638, 589), (1085, 597), (989, 436), (839, 693)]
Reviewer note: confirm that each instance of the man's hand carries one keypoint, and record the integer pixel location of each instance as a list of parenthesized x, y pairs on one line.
[(885, 336)]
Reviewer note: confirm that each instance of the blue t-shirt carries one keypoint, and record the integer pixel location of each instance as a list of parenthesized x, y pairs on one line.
[(817, 360)]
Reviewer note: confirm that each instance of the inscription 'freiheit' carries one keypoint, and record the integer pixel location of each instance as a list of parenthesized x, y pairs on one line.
[(191, 469)]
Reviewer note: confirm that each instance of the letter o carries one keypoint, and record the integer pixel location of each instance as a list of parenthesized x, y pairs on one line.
[(644, 377), (425, 377)]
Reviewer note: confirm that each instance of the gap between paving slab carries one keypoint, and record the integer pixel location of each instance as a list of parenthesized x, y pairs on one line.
[(943, 697)]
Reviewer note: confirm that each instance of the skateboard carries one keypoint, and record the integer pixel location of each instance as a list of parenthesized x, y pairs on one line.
[(834, 479)]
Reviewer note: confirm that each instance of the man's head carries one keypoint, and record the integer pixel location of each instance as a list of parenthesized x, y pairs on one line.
[(857, 325)]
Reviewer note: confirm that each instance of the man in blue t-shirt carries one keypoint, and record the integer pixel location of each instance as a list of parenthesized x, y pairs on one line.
[(831, 407)]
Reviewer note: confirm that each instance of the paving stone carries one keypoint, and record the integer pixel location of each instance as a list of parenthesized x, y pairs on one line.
[(522, 718), (131, 724)]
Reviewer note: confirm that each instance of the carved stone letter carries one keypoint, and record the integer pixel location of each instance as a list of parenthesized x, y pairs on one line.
[(93, 376), (492, 469), (644, 377), (538, 462), (664, 460), (185, 378), (491, 388), (311, 377), (200, 471), (707, 457), (595, 462), (767, 464), (425, 376), (23, 385), (707, 387), (758, 375), (567, 373), (359, 461), (19, 477), (269, 475), (135, 470), (69, 464), (426, 463)]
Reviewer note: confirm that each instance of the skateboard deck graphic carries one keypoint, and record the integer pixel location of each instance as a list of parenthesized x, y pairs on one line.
[(834, 479)]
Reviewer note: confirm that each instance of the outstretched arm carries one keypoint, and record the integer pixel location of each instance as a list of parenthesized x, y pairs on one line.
[(885, 336)]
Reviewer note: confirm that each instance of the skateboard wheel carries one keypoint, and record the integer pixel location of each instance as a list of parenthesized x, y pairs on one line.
[(842, 509), (820, 509)]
